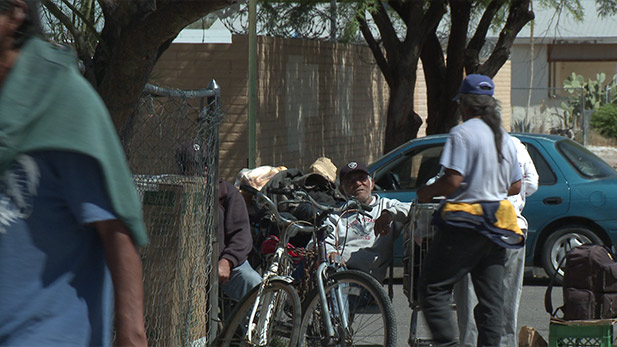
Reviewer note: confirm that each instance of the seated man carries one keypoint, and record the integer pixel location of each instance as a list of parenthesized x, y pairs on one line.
[(365, 241), (236, 276)]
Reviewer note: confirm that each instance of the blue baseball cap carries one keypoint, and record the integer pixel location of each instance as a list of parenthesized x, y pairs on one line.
[(476, 84)]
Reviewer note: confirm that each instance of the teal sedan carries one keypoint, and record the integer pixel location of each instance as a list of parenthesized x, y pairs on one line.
[(576, 201)]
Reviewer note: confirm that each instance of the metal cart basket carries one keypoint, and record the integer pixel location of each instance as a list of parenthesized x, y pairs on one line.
[(418, 234)]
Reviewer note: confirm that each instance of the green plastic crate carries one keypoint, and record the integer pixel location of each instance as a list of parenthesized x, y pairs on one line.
[(581, 333)]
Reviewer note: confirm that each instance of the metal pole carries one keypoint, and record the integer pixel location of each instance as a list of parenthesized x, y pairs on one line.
[(583, 115), (333, 20), (214, 104), (252, 83)]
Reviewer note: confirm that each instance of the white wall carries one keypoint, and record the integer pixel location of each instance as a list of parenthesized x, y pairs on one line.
[(543, 112)]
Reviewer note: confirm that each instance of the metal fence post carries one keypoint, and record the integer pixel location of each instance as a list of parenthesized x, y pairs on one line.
[(181, 261), (584, 128), (214, 104)]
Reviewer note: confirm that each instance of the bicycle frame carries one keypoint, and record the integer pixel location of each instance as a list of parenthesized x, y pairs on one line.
[(274, 269), (273, 272), (323, 266)]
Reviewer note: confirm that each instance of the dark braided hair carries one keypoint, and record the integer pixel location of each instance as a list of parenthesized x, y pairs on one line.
[(487, 108)]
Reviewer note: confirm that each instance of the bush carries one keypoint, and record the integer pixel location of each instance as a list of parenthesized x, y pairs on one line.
[(604, 120)]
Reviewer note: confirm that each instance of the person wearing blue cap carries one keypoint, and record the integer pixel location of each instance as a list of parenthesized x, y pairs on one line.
[(464, 295), (476, 222)]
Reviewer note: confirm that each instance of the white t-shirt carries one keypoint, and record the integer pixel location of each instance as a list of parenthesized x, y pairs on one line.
[(470, 150), (354, 234), (529, 183)]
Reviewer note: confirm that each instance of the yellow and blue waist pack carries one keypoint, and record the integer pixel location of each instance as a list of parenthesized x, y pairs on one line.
[(495, 219)]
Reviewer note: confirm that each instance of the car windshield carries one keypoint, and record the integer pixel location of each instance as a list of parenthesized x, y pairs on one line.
[(586, 163)]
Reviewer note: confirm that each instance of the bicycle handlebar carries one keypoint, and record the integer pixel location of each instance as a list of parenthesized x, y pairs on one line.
[(300, 196), (348, 205), (266, 202)]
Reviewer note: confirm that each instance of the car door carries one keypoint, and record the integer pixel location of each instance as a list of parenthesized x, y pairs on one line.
[(402, 176), (551, 200)]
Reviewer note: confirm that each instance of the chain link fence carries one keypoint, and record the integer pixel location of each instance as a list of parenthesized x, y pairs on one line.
[(180, 212)]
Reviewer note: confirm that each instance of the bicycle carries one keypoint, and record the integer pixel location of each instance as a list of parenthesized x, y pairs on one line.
[(270, 314), (354, 301), (344, 307)]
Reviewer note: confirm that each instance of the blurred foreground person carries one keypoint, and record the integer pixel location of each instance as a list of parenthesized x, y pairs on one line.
[(477, 222), (70, 217)]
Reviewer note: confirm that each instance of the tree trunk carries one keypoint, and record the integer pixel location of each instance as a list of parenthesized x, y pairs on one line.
[(134, 37), (444, 79), (434, 66), (398, 61), (402, 123)]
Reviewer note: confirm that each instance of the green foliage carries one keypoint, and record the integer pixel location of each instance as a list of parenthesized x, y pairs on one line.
[(600, 96), (595, 93), (604, 120), (572, 7), (606, 7), (521, 126)]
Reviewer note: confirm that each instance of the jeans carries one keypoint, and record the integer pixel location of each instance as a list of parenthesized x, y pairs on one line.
[(241, 280), (465, 299), (452, 255)]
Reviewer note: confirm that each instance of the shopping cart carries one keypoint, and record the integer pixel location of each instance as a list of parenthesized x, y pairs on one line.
[(418, 234)]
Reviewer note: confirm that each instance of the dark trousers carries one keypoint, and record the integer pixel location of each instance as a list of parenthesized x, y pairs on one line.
[(452, 255)]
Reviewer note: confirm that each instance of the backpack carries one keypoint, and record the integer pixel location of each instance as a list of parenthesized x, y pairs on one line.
[(589, 284)]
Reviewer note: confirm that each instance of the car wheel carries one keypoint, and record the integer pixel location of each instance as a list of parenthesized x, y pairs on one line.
[(560, 242)]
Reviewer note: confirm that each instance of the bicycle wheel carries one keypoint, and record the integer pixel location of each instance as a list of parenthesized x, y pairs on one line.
[(369, 313), (276, 321)]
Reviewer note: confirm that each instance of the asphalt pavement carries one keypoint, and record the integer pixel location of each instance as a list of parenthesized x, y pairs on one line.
[(531, 312)]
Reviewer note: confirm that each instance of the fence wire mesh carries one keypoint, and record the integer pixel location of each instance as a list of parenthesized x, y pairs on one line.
[(180, 212)]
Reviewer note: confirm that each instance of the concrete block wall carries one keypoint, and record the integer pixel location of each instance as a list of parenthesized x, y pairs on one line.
[(318, 99), (314, 98)]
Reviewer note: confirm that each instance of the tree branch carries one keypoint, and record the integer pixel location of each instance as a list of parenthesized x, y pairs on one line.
[(136, 51), (81, 16), (79, 45), (388, 34), (64, 19), (460, 15), (432, 17), (421, 24), (402, 9), (434, 67), (477, 41), (376, 49), (472, 53), (519, 15)]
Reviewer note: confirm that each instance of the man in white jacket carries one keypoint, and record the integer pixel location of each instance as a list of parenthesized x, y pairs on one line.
[(365, 240), (515, 266)]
